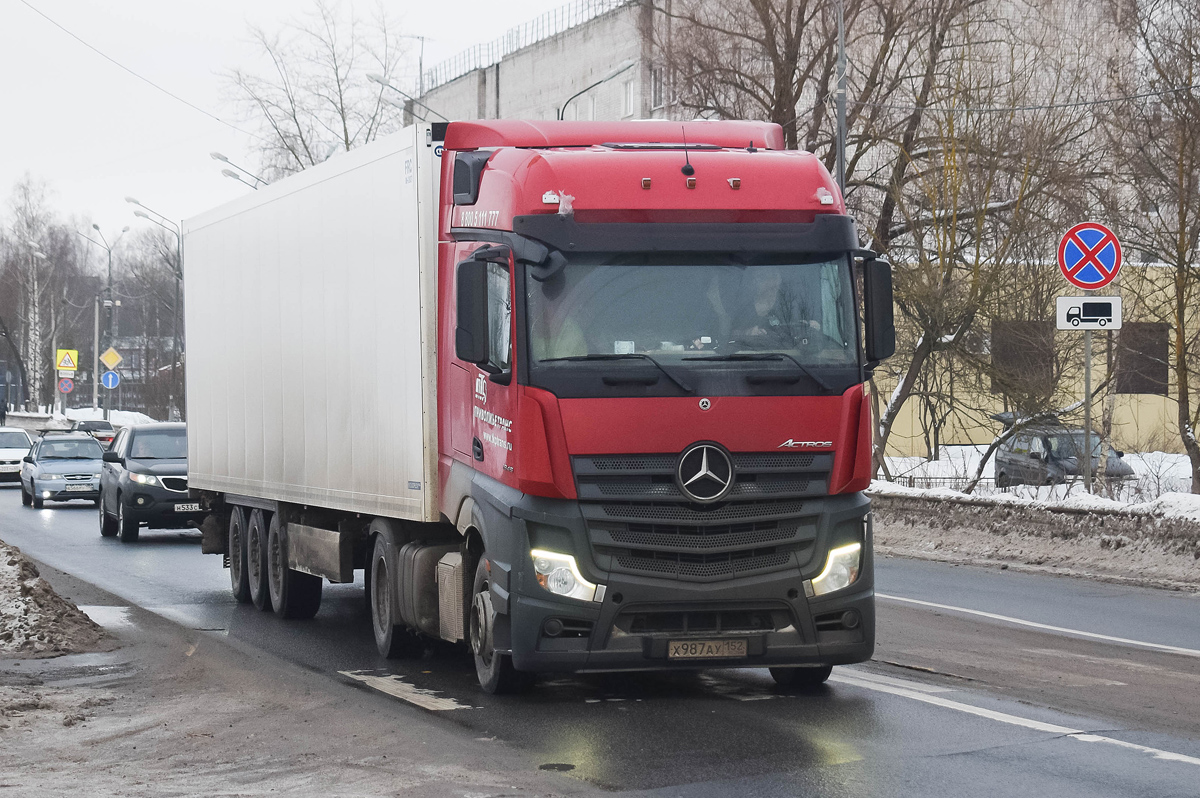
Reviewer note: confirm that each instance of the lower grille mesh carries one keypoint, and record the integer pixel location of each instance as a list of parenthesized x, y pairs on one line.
[(701, 565)]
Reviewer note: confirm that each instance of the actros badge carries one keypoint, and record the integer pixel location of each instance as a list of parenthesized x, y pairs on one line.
[(794, 444), (705, 472)]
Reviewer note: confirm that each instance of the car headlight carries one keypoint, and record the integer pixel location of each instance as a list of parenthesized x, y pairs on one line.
[(841, 569), (50, 476), (144, 479), (559, 574)]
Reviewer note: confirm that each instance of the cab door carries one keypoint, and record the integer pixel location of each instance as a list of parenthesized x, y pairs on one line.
[(486, 394)]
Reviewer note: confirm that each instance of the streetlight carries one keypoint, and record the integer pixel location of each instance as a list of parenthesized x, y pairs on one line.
[(376, 78), (216, 156), (173, 228), (108, 306), (625, 67), (841, 98), (232, 175)]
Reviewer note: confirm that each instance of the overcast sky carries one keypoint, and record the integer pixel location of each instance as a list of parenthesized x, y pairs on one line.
[(97, 134)]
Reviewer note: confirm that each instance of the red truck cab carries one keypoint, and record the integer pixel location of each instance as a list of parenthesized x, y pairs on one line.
[(652, 434)]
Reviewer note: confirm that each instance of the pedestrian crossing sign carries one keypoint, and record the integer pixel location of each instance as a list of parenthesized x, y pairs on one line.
[(67, 359)]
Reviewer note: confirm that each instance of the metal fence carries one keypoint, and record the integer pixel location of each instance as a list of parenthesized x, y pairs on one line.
[(1142, 488), (549, 24)]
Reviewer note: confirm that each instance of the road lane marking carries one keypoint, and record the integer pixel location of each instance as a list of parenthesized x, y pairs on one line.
[(108, 616), (1187, 652), (907, 685), (398, 688), (1013, 720)]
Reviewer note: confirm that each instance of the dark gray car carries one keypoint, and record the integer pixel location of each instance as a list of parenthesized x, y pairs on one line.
[(144, 482), (1051, 455)]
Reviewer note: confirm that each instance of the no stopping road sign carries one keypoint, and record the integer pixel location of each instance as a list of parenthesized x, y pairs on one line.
[(1089, 256)]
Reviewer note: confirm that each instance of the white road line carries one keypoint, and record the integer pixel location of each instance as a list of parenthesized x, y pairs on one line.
[(398, 688), (1187, 652), (881, 679), (1014, 720)]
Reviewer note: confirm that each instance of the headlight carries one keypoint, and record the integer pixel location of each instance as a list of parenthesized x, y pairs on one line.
[(841, 569), (559, 574), (144, 479), (50, 476)]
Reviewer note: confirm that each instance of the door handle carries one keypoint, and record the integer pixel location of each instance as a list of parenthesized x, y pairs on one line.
[(477, 449)]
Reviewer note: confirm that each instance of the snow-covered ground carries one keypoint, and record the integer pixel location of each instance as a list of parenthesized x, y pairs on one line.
[(119, 418), (1157, 473)]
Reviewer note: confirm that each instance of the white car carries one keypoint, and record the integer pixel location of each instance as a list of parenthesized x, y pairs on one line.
[(14, 445)]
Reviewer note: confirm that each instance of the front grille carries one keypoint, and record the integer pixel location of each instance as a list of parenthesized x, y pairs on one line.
[(703, 621), (178, 484), (9, 462), (640, 522), (80, 477)]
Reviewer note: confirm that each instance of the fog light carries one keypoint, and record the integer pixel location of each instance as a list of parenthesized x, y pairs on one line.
[(45, 494), (559, 574), (841, 569), (141, 500), (553, 627)]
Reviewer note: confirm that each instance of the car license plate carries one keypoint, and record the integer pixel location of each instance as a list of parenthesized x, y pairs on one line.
[(187, 508), (79, 488), (705, 649), (9, 469)]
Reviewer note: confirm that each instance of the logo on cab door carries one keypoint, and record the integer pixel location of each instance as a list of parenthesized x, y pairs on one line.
[(481, 387), (794, 444)]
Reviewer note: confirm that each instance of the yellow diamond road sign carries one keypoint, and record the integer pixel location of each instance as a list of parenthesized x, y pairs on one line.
[(67, 359), (111, 358)]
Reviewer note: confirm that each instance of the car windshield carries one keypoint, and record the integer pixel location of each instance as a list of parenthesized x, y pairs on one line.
[(677, 307), (94, 426), (1070, 444), (159, 445), (70, 450), (14, 440)]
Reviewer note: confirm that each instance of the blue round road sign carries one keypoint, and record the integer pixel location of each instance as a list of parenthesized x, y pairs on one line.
[(110, 380), (1089, 256)]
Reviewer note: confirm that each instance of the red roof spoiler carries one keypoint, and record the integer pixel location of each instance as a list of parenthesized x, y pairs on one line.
[(534, 133)]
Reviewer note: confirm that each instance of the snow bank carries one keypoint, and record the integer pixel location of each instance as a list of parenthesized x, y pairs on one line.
[(35, 620), (119, 418)]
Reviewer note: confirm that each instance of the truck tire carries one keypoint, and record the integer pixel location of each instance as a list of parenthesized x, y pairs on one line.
[(801, 677), (392, 638), (239, 580), (294, 594), (256, 560), (128, 529), (108, 526), (495, 671)]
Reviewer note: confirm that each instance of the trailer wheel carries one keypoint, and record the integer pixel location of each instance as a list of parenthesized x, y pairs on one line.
[(294, 594), (801, 677), (392, 638), (239, 580), (256, 560), (495, 671)]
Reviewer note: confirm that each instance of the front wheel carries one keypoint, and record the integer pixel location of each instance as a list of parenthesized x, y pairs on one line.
[(26, 496), (801, 677), (127, 528), (108, 526), (494, 670)]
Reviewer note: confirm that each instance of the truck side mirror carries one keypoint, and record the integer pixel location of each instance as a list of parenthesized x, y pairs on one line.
[(879, 322), (471, 334)]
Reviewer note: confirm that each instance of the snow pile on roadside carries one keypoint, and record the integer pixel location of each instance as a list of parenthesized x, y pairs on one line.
[(119, 418), (35, 620)]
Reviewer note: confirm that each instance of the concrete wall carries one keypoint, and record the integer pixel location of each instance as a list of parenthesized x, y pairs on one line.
[(534, 82)]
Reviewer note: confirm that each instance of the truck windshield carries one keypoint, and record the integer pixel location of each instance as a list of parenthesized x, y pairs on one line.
[(688, 309)]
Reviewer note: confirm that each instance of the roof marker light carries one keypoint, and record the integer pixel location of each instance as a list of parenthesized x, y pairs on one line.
[(735, 183), (691, 182), (824, 196), (645, 182)]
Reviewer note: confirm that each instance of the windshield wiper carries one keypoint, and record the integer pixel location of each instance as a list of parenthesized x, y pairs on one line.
[(633, 355), (768, 356)]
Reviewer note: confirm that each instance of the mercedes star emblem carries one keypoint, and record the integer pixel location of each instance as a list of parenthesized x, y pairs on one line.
[(705, 472)]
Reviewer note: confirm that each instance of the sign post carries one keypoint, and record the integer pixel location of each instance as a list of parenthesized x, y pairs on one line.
[(1089, 256), (66, 361), (111, 359)]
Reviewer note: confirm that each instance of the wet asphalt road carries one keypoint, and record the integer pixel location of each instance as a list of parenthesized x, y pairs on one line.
[(955, 704)]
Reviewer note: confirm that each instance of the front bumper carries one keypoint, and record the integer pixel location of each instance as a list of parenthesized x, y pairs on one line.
[(156, 507), (56, 490)]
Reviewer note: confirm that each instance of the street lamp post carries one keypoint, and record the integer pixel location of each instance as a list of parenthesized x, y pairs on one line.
[(216, 156), (376, 78), (619, 70), (108, 301), (173, 228)]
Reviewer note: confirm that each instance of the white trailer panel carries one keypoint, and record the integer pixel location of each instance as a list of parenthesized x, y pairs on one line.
[(311, 322)]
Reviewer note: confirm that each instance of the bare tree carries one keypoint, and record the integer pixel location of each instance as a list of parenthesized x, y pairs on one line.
[(315, 99), (1156, 144)]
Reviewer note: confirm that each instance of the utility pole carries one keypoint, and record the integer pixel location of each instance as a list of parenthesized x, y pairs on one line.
[(96, 355), (175, 399), (109, 304)]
